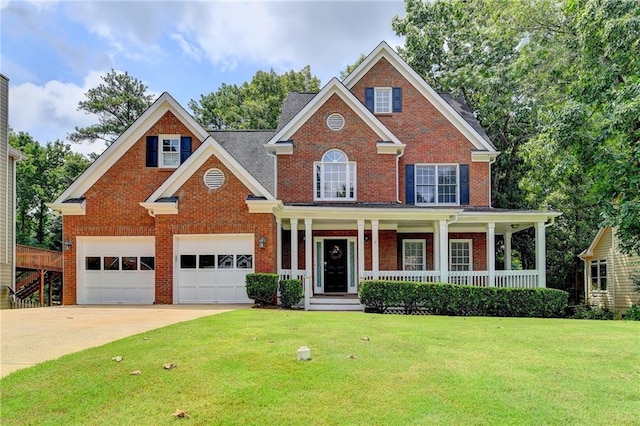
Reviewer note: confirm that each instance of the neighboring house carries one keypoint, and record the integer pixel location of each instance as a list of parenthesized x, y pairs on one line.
[(8, 158), (377, 176), (607, 273)]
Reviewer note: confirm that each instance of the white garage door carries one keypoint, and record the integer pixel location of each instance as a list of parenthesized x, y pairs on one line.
[(212, 268), (116, 270)]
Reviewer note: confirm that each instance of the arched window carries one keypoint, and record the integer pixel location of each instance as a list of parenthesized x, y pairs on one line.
[(335, 177)]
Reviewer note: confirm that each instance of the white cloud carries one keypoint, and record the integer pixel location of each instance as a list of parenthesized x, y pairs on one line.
[(189, 49), (48, 112)]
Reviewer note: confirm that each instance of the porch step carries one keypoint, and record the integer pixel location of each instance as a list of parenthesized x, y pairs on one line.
[(325, 303)]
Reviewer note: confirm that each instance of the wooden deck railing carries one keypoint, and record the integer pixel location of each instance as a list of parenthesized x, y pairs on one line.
[(37, 258)]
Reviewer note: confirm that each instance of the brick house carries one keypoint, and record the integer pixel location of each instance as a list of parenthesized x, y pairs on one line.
[(377, 176)]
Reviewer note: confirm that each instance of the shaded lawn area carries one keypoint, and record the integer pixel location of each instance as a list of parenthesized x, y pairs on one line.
[(240, 368)]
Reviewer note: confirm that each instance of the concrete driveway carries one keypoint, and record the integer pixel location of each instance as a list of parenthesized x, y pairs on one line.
[(31, 336)]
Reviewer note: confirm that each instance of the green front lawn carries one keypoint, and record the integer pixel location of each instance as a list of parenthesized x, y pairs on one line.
[(240, 368)]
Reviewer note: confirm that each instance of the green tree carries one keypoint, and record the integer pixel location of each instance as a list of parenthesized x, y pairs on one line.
[(117, 102), (40, 176), (253, 105), (344, 73)]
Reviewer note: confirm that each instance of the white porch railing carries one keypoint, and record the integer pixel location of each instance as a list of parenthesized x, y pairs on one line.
[(506, 279), (417, 276), (517, 279), (285, 274)]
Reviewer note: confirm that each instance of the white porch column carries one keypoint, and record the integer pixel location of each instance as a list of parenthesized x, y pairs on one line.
[(375, 261), (541, 254), (436, 247), (507, 250), (443, 246), (491, 253), (360, 249), (278, 245), (294, 248), (308, 256)]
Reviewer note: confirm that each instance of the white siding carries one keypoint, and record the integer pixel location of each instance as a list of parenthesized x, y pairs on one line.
[(6, 192)]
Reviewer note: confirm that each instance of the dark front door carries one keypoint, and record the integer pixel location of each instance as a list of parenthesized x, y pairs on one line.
[(335, 266)]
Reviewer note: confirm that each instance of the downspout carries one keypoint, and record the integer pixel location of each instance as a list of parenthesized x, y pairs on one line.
[(398, 177), (613, 267), (493, 160)]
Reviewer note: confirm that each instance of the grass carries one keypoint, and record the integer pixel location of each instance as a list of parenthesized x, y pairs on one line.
[(240, 368)]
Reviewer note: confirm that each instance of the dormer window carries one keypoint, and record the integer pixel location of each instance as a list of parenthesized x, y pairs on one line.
[(167, 151), (383, 100), (335, 177)]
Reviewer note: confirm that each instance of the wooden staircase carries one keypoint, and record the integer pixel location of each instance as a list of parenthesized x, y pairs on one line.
[(35, 269)]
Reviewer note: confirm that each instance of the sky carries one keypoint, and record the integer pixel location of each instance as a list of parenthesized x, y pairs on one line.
[(54, 51)]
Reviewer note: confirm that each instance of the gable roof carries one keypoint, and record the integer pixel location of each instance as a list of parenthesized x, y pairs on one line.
[(124, 142), (293, 103), (334, 87), (165, 193), (453, 114), (596, 240)]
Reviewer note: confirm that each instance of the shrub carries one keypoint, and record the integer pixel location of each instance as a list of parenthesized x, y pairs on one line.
[(632, 314), (262, 287), (451, 299), (593, 313), (291, 292)]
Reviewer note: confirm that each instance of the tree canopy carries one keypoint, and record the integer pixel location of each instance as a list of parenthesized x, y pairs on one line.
[(556, 84), (253, 105), (40, 177), (117, 102)]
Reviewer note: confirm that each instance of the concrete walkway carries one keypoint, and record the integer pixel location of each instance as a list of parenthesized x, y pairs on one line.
[(31, 336)]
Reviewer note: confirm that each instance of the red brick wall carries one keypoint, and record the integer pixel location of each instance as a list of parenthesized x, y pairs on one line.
[(113, 210), (376, 173), (429, 136), (479, 248)]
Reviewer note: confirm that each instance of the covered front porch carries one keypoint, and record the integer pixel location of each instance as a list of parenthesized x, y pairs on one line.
[(336, 248)]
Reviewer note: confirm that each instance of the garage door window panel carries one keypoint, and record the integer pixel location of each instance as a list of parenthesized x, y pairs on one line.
[(129, 263), (147, 263), (188, 261), (225, 261), (92, 263), (244, 261), (111, 263), (207, 261)]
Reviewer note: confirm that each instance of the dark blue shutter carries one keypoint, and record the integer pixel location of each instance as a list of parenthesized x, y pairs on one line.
[(185, 148), (397, 99), (368, 98), (410, 191), (152, 151), (464, 184)]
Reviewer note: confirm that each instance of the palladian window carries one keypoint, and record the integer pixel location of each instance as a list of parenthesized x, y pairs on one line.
[(335, 177)]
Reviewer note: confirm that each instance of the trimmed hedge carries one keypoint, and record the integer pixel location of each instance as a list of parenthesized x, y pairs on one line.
[(462, 300), (262, 287), (291, 292)]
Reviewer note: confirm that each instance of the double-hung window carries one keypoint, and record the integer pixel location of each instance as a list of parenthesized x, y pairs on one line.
[(382, 100), (413, 255), (169, 150), (460, 255), (599, 274), (335, 177), (437, 184)]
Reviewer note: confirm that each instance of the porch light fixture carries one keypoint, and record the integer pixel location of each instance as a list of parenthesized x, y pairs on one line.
[(68, 244), (515, 225), (262, 242), (366, 238)]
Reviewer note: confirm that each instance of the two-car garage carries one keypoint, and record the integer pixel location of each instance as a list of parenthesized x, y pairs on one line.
[(122, 270)]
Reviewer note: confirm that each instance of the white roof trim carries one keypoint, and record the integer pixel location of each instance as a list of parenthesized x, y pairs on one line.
[(209, 147), (69, 209), (385, 51), (114, 152), (334, 86), (15, 154), (588, 253), (170, 207)]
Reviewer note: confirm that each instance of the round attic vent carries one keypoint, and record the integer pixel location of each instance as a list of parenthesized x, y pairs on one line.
[(213, 178), (335, 121)]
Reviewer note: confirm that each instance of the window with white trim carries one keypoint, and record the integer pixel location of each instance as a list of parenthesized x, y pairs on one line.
[(414, 255), (599, 274), (437, 184), (382, 100), (460, 255), (335, 177), (169, 150)]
